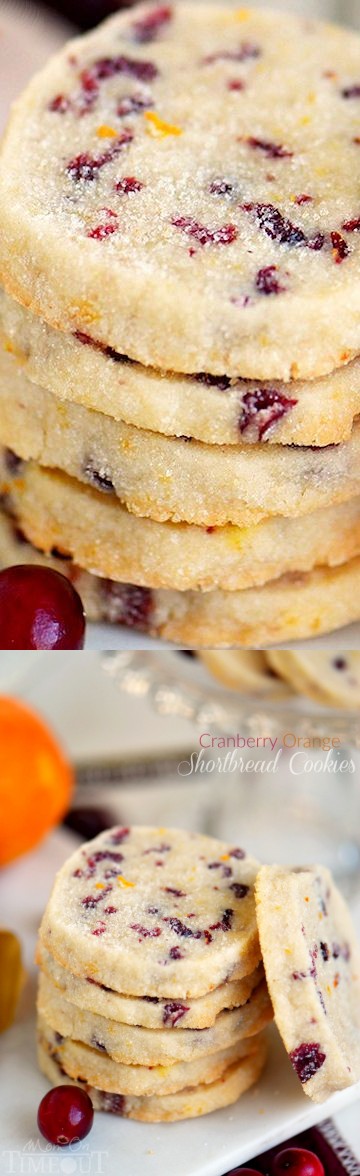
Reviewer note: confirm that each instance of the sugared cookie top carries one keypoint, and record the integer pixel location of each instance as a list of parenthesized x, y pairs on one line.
[(312, 964), (154, 911), (182, 185)]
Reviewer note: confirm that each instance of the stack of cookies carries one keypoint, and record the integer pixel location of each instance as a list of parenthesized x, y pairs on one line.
[(180, 324), (331, 679), (152, 992)]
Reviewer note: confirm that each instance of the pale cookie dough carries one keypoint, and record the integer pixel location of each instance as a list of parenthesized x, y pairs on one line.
[(245, 671), (150, 1012), (135, 1045), (185, 1104), (170, 478), (330, 678), (168, 912), (217, 410), (103, 537), (114, 1077), (312, 964), (295, 607), (189, 193)]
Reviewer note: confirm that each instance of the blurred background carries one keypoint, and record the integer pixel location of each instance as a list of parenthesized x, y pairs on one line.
[(88, 12)]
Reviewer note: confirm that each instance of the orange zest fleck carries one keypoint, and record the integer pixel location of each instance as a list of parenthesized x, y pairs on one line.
[(99, 885), (159, 128), (224, 857), (105, 132), (124, 881)]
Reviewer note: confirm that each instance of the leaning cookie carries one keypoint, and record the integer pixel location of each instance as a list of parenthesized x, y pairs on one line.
[(312, 964), (332, 679)]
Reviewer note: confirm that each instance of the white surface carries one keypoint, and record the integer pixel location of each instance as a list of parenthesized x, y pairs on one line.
[(209, 1146), (113, 637)]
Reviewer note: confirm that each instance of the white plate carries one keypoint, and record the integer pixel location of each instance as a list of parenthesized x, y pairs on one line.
[(276, 1109)]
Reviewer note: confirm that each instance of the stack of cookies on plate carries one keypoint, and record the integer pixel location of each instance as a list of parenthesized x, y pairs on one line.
[(180, 324), (152, 991), (331, 679)]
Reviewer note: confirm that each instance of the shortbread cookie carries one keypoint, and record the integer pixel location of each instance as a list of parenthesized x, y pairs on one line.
[(331, 678), (152, 1012), (245, 671), (294, 607), (135, 1045), (168, 478), (185, 1104), (217, 410), (312, 963), (240, 129), (116, 1077), (174, 912), (103, 537)]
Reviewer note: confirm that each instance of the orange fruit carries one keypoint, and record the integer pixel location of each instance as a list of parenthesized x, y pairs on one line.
[(36, 780)]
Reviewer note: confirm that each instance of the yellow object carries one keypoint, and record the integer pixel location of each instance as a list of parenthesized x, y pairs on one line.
[(106, 132), (157, 126), (11, 977), (36, 780)]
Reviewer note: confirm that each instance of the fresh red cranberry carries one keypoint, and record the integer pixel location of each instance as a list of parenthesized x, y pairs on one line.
[(267, 281), (65, 1115), (147, 28), (307, 1059), (298, 1162), (262, 408), (128, 184), (39, 609), (224, 235), (271, 150)]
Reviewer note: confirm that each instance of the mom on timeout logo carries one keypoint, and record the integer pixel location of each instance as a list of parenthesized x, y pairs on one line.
[(264, 754), (38, 1158)]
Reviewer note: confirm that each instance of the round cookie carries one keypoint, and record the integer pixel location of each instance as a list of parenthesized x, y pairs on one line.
[(330, 678), (312, 964), (292, 608), (245, 671), (173, 912), (222, 411), (135, 1045), (170, 478), (103, 537), (240, 128), (152, 1012), (114, 1077), (185, 1104)]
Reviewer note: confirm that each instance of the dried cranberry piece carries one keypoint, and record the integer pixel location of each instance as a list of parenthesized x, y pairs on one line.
[(247, 50), (126, 604), (267, 281), (224, 235), (237, 853), (225, 923), (12, 462), (303, 199), (110, 910), (109, 67), (102, 231), (307, 1059), (181, 929), (151, 999), (115, 1103), (271, 150), (351, 91), (239, 888), (325, 951), (60, 104), (340, 248), (120, 835), (102, 855), (128, 184), (86, 167), (236, 84), (146, 932), (275, 225), (220, 382), (147, 28), (98, 478), (173, 1012), (99, 930), (90, 901), (352, 226), (133, 104), (221, 187), (262, 408), (176, 893), (175, 954)]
